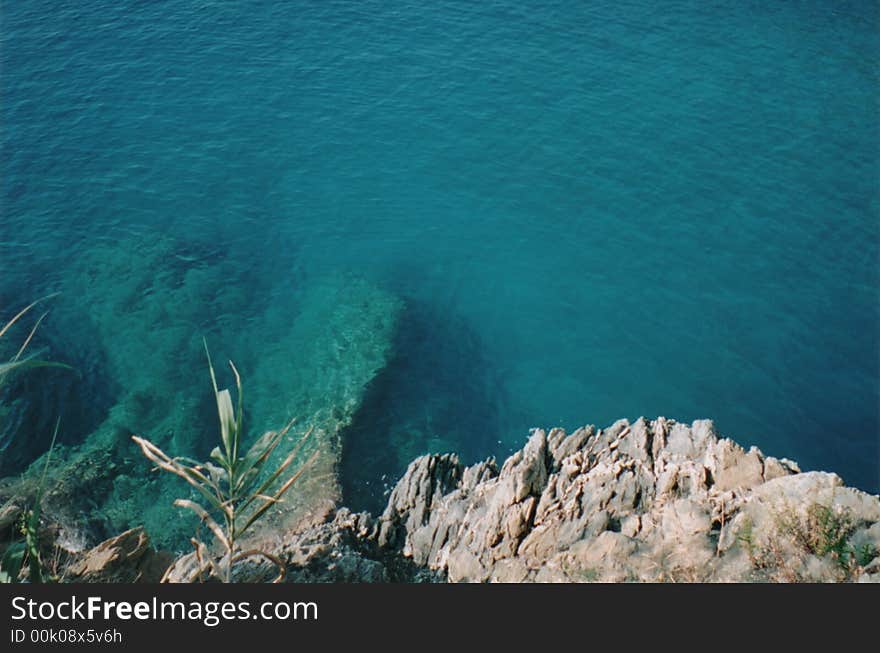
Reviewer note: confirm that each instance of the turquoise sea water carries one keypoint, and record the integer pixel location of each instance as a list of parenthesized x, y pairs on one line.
[(591, 210)]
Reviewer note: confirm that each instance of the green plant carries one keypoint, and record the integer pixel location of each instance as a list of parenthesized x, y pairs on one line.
[(821, 531), (19, 360), (590, 575), (234, 486), (28, 550), (864, 554), (746, 537)]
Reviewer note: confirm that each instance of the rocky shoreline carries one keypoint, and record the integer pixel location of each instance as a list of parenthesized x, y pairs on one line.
[(648, 501)]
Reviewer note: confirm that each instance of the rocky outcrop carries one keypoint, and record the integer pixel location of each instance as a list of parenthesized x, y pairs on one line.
[(656, 501), (647, 501)]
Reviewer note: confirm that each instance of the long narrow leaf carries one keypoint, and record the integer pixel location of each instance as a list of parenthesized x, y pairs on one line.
[(29, 362), (250, 465), (224, 409), (250, 470), (238, 416), (22, 312), (42, 486), (30, 337), (287, 461), (263, 488), (293, 479), (259, 449), (227, 423), (162, 461), (269, 502), (205, 517), (210, 366)]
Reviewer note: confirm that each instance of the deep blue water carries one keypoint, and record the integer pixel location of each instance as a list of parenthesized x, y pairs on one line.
[(592, 210)]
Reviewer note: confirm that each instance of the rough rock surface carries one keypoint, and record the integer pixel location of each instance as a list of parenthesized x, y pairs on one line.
[(341, 549), (654, 501), (126, 558), (647, 501)]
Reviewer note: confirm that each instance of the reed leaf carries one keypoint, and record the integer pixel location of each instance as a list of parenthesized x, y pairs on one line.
[(270, 501), (205, 517)]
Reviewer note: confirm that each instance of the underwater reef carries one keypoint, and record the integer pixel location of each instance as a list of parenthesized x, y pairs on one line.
[(310, 357)]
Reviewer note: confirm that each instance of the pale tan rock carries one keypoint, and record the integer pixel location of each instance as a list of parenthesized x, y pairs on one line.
[(645, 501), (126, 558)]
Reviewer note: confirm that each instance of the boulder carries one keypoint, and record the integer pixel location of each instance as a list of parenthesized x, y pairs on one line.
[(126, 558)]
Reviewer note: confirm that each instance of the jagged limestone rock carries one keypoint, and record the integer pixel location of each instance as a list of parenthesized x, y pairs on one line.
[(647, 501)]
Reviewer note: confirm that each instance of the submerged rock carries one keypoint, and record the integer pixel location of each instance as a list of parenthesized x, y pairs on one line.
[(141, 311), (318, 369), (310, 353)]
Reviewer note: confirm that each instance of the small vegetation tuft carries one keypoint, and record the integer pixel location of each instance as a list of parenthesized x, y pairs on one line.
[(821, 531)]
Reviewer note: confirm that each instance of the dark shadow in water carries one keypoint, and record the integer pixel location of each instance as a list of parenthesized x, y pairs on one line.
[(81, 397), (438, 394), (32, 402)]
